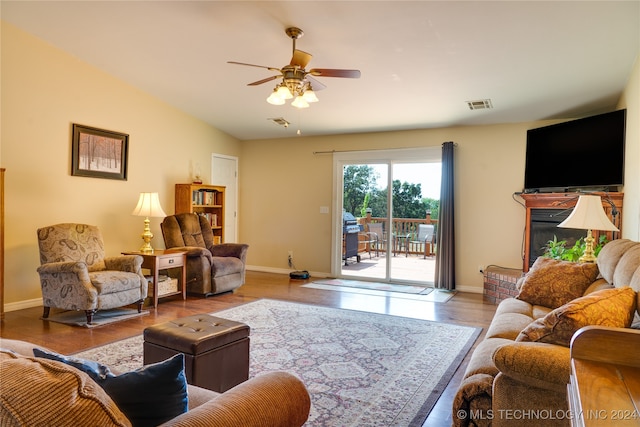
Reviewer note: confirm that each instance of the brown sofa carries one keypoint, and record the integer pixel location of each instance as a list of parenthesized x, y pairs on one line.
[(47, 392), (514, 382), (211, 269)]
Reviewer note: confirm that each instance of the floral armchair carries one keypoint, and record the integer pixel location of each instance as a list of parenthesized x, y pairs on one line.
[(76, 275)]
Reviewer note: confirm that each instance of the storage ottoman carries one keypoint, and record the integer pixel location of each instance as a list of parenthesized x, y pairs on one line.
[(216, 350)]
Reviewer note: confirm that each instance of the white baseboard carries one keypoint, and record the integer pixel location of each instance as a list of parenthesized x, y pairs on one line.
[(14, 306), (283, 271), (470, 289)]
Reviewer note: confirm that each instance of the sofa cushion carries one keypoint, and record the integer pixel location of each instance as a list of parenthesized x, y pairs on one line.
[(609, 257), (512, 305), (508, 325), (552, 283), (535, 364), (627, 272), (148, 396), (71, 397), (481, 361), (598, 285), (609, 307)]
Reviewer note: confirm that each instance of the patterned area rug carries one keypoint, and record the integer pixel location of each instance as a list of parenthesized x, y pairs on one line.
[(361, 369)]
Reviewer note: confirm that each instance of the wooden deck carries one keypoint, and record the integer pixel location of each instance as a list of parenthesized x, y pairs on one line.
[(413, 268)]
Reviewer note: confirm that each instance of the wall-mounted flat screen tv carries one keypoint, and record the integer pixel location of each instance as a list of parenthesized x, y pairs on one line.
[(585, 153)]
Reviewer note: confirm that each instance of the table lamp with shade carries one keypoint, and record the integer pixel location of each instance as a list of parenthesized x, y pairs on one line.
[(588, 215), (148, 206)]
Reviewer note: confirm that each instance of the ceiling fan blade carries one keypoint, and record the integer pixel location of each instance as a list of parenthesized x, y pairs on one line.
[(259, 82), (253, 65), (300, 58), (331, 72), (315, 84)]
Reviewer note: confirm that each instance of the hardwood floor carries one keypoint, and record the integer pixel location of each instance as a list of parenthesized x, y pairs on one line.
[(463, 308)]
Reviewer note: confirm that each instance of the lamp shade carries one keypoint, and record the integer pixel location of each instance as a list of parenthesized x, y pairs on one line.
[(300, 102), (588, 215), (274, 99), (148, 206)]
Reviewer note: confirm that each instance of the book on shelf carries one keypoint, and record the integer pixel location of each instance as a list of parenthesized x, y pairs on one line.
[(204, 197), (212, 218)]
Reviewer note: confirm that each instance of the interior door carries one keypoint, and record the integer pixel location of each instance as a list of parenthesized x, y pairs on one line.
[(224, 171)]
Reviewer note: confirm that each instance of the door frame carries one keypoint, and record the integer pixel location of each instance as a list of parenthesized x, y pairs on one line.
[(231, 212), (390, 156)]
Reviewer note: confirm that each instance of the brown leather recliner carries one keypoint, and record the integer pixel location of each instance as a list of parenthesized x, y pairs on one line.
[(211, 269)]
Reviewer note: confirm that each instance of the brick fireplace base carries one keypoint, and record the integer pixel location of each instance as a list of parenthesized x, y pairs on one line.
[(500, 283)]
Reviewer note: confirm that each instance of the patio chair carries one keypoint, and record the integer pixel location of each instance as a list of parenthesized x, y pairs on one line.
[(425, 238), (370, 240), (377, 236)]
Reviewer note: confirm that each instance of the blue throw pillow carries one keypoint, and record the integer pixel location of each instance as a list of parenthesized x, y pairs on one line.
[(148, 396), (97, 371)]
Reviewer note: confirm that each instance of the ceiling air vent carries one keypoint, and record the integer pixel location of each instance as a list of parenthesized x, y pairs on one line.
[(480, 104), (280, 121)]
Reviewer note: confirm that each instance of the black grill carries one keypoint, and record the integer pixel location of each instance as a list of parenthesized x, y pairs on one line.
[(350, 230)]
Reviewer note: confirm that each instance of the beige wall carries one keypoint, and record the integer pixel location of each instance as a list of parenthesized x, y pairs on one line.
[(283, 212), (282, 183), (44, 91), (631, 101)]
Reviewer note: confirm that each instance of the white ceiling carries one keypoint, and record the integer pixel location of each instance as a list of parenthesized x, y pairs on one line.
[(421, 61)]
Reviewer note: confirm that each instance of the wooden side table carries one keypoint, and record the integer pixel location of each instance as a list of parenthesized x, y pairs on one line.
[(162, 260), (605, 377)]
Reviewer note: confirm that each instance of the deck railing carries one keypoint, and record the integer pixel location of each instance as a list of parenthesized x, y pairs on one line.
[(400, 227)]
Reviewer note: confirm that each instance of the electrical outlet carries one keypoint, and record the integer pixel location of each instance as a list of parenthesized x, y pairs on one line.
[(291, 254), (481, 268), (290, 259)]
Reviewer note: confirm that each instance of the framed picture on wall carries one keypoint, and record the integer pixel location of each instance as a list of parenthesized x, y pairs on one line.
[(99, 153)]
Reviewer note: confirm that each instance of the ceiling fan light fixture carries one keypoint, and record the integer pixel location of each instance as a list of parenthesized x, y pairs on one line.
[(310, 96), (284, 92), (294, 76), (274, 99), (300, 102)]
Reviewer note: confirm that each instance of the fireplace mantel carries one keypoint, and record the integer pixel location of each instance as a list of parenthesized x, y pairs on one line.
[(566, 201)]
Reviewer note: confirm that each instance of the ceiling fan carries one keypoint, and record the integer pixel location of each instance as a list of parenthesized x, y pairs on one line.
[(296, 81)]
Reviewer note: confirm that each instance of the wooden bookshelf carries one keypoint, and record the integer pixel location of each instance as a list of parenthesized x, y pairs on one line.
[(205, 200)]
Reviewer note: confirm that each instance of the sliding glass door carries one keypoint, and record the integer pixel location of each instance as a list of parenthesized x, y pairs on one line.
[(388, 204)]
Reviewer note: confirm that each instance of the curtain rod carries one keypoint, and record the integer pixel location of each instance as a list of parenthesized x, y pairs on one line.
[(373, 149)]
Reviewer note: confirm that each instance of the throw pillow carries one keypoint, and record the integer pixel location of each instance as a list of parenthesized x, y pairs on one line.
[(552, 283), (148, 396), (39, 392), (609, 307)]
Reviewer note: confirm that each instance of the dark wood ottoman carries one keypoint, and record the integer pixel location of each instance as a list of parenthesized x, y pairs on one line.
[(216, 350)]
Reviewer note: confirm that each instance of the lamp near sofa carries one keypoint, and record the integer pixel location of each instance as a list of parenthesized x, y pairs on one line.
[(148, 206), (588, 215)]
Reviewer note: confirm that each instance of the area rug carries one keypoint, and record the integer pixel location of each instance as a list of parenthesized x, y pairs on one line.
[(419, 293), (361, 369), (378, 286), (101, 318)]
